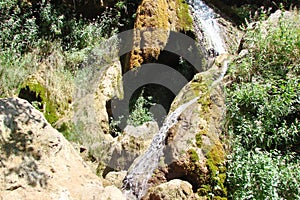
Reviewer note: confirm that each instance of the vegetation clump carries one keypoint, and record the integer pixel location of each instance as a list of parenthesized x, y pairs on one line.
[(185, 20), (263, 112), (44, 46), (140, 112)]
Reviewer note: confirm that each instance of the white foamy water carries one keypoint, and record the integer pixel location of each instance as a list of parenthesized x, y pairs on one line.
[(135, 183), (206, 17)]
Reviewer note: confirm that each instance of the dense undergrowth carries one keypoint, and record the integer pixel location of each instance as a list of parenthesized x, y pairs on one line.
[(263, 105), (38, 32)]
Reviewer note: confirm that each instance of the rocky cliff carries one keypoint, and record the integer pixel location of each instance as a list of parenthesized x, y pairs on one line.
[(37, 162), (154, 21)]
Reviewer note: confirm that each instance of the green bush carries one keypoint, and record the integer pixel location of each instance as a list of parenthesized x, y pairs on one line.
[(264, 115), (259, 174), (263, 112), (140, 112), (274, 50)]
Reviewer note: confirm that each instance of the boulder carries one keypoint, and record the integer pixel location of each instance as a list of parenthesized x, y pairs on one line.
[(194, 150), (115, 179), (174, 189), (132, 143), (37, 162), (95, 87), (112, 193)]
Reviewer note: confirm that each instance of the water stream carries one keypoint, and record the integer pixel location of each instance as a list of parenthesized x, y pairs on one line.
[(136, 182), (206, 18), (138, 176)]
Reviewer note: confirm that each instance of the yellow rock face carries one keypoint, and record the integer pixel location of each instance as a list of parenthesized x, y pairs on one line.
[(155, 19)]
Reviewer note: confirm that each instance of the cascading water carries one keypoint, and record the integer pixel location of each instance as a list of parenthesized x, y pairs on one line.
[(136, 181), (206, 19), (137, 178)]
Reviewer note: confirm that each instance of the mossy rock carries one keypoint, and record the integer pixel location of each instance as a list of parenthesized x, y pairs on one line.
[(217, 171), (185, 21), (41, 99), (154, 21), (52, 99), (203, 161)]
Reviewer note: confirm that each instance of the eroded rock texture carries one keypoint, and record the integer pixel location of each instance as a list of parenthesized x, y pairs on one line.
[(37, 162), (154, 21)]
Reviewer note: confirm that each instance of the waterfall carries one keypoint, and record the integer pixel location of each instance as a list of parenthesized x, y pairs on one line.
[(206, 19), (136, 182), (139, 174)]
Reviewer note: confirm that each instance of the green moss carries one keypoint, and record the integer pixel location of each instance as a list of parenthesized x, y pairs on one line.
[(204, 190), (184, 17), (217, 171), (49, 107), (200, 88), (219, 198), (193, 155), (199, 140), (69, 131)]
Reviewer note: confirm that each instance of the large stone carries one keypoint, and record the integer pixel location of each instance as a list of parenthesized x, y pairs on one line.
[(194, 151), (94, 90), (174, 189), (132, 143), (37, 162)]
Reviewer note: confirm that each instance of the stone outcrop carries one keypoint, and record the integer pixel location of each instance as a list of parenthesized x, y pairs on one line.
[(174, 189), (194, 151), (133, 142), (154, 21), (36, 161), (97, 86), (50, 91)]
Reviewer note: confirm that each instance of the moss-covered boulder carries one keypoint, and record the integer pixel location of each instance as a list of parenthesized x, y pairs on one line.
[(154, 21), (50, 91), (194, 150)]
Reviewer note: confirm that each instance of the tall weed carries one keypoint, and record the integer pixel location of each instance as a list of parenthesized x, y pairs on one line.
[(263, 115)]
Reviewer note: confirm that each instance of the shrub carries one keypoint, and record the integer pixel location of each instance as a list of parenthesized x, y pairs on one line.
[(140, 112), (273, 50), (259, 174), (263, 113)]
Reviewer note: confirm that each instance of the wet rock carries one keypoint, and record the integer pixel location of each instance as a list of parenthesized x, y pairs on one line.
[(194, 151), (133, 143)]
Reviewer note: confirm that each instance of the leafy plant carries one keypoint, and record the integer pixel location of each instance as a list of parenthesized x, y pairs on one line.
[(140, 112), (258, 174), (263, 112)]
